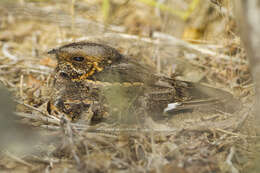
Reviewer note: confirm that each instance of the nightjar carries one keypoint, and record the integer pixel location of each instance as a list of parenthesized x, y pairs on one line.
[(94, 81)]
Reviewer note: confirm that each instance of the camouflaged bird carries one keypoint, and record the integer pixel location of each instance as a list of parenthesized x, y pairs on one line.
[(93, 81)]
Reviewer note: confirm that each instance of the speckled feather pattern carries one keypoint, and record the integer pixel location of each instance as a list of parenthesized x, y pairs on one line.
[(97, 79)]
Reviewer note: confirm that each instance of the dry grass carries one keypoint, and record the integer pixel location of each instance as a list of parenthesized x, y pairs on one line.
[(185, 143)]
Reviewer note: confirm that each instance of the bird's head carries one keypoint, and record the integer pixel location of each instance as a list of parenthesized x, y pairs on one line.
[(79, 61)]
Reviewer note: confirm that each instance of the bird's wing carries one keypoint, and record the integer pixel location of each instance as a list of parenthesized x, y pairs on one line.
[(199, 96), (127, 70)]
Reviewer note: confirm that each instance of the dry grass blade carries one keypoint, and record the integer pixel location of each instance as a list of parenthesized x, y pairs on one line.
[(19, 160)]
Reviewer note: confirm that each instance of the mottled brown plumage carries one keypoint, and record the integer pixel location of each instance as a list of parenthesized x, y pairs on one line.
[(95, 80)]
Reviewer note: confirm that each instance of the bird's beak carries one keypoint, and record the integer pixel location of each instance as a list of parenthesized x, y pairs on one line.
[(53, 51)]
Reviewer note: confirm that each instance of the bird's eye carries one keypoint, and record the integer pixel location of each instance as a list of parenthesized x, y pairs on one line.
[(78, 58)]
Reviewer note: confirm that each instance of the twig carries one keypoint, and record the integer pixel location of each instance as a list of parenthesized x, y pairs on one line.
[(132, 37), (42, 160), (36, 66), (75, 126), (67, 40), (21, 86), (128, 130), (17, 159), (38, 110), (229, 160), (50, 127), (7, 54), (8, 64), (51, 120), (37, 117), (5, 81), (232, 133), (38, 71)]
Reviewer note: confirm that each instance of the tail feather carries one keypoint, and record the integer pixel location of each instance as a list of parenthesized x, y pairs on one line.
[(205, 98)]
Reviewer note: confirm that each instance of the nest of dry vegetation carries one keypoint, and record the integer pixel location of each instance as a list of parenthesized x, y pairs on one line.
[(218, 142)]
